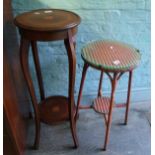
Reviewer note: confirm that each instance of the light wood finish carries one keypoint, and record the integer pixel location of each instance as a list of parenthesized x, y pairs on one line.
[(113, 59)]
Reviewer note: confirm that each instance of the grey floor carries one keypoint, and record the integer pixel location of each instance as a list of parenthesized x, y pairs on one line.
[(133, 139)]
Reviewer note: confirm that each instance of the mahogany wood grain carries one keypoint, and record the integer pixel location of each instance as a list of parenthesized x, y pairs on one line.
[(49, 25), (38, 69), (47, 20)]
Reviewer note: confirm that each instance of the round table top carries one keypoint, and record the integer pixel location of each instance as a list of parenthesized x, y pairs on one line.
[(111, 55), (47, 20)]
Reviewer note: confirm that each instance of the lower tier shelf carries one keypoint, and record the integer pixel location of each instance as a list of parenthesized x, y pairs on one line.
[(101, 105), (54, 110)]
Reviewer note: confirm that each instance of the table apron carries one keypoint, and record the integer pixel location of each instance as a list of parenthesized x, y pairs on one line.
[(46, 35)]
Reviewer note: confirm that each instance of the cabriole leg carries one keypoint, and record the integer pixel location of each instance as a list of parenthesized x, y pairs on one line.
[(24, 50), (38, 70), (69, 44)]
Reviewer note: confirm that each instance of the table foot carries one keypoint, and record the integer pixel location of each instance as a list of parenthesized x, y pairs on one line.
[(74, 135), (104, 149)]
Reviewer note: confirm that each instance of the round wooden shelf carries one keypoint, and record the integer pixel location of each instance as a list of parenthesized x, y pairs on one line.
[(54, 110)]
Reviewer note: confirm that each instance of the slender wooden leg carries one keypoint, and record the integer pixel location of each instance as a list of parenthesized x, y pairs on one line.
[(24, 50), (38, 70), (113, 82), (100, 85), (81, 88), (74, 41), (69, 44), (128, 98)]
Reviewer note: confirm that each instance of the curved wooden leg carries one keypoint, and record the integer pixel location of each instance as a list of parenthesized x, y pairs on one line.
[(81, 88), (113, 82), (24, 50), (128, 98), (100, 85), (38, 70), (69, 44), (74, 43)]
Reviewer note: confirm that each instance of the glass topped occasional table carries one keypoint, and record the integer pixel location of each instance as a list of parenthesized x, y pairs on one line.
[(114, 59), (49, 25)]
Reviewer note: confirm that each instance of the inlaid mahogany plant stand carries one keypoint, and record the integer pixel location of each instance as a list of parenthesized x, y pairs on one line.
[(49, 25), (114, 59)]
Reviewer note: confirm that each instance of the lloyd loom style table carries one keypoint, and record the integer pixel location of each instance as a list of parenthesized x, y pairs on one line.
[(113, 59), (49, 25)]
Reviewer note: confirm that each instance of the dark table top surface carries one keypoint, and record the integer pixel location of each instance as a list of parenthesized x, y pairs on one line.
[(47, 20)]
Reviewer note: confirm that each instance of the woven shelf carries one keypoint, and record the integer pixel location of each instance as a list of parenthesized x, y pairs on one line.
[(101, 105)]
